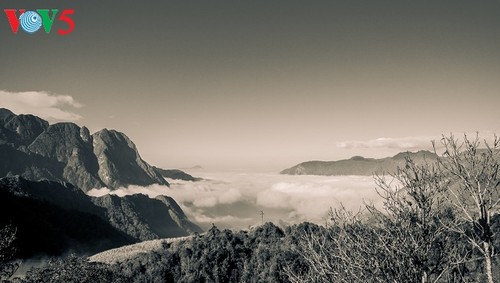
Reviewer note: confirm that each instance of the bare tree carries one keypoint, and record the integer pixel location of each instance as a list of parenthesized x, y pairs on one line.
[(474, 192), (413, 215), (342, 253), (403, 242)]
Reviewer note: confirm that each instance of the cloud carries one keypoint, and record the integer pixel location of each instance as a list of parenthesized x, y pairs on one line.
[(414, 143), (200, 218), (99, 192), (207, 193), (151, 191), (49, 106), (235, 200), (404, 143), (311, 198)]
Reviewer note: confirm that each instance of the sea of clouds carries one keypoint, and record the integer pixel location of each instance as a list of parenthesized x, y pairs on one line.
[(236, 199)]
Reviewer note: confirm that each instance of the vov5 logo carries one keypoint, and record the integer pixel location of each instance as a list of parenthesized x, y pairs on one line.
[(32, 21)]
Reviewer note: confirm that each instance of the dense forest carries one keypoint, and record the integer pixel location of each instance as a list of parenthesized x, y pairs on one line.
[(439, 223), (264, 254)]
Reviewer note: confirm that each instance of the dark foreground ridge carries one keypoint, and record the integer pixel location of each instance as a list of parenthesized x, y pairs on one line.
[(52, 218)]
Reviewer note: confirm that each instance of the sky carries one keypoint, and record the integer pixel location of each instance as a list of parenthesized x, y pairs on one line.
[(261, 84)]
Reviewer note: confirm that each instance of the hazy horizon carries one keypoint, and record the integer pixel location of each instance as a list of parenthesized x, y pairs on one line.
[(262, 85)]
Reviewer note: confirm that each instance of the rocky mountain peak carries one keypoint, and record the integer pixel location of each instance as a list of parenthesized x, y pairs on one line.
[(85, 135), (120, 163), (5, 115), (23, 129), (58, 141)]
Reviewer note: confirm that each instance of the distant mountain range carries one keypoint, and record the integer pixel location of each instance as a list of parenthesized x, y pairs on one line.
[(358, 165), (176, 174)]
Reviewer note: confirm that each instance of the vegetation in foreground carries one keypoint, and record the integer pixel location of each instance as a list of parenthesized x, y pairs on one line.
[(440, 223)]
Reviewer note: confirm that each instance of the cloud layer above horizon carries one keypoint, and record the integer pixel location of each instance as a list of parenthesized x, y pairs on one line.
[(49, 106), (403, 143), (234, 200)]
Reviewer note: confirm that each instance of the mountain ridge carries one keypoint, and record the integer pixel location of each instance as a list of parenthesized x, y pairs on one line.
[(35, 149), (176, 174), (358, 165)]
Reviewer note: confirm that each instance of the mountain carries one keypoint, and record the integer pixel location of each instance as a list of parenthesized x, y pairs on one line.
[(57, 216), (178, 216), (144, 218), (20, 129), (176, 174), (358, 165), (196, 167), (120, 163), (53, 218), (32, 148)]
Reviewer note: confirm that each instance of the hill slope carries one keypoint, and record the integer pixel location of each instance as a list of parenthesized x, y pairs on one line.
[(52, 218), (144, 218)]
